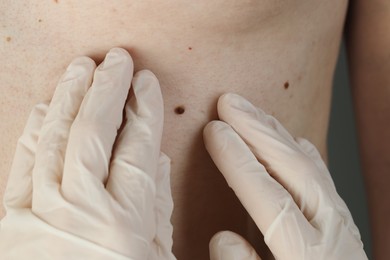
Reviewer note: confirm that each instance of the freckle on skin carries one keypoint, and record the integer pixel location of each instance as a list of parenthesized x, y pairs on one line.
[(40, 20), (8, 39), (286, 85), (179, 110), (56, 1)]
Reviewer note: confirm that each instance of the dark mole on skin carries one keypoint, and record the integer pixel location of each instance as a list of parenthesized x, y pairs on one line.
[(190, 48), (40, 20), (179, 110), (8, 39), (286, 85)]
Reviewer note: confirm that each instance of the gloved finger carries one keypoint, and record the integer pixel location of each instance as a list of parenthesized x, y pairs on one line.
[(339, 203), (163, 208), (290, 238), (273, 146), (53, 137), (227, 245), (135, 160), (262, 196), (18, 193), (311, 151), (94, 130)]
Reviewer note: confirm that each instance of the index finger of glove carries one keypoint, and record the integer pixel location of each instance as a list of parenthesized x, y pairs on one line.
[(94, 130), (276, 148), (262, 196), (227, 245)]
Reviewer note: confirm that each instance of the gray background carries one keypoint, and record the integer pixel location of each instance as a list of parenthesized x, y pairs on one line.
[(343, 152)]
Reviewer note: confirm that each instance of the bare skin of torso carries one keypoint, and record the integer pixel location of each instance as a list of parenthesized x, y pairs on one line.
[(280, 55)]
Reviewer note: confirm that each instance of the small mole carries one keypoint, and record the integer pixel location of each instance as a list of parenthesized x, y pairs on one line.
[(40, 20), (179, 110), (190, 48), (56, 1), (8, 39), (286, 85)]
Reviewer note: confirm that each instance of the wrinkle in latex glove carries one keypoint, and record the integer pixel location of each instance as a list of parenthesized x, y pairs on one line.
[(283, 184), (69, 194)]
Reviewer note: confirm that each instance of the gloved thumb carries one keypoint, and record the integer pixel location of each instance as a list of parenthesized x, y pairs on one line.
[(227, 245)]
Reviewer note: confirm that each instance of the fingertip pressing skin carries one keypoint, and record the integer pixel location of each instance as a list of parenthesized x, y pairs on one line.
[(227, 245), (298, 210), (106, 97), (82, 65), (117, 56), (230, 102), (147, 92), (71, 90), (231, 107)]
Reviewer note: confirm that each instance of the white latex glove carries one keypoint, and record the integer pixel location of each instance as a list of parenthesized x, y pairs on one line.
[(72, 193), (284, 185)]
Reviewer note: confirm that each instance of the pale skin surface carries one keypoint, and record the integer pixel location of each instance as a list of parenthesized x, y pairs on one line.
[(279, 54)]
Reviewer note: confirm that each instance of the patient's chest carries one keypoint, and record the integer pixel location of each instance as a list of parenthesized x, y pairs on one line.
[(279, 54)]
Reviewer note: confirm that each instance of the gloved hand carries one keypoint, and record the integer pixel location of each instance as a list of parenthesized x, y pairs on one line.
[(284, 185), (88, 180)]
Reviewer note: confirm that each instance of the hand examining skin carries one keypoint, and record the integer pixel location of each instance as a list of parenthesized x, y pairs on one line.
[(89, 181), (284, 185), (81, 189)]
